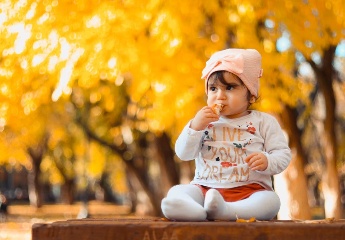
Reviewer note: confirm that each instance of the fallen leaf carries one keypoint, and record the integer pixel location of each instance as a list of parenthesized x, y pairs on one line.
[(252, 219)]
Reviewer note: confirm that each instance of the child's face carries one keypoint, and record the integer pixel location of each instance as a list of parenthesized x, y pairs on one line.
[(230, 92)]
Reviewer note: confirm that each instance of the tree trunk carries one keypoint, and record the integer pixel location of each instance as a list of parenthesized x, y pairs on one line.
[(139, 177), (34, 186), (168, 169), (144, 201), (68, 187), (67, 191), (109, 196), (294, 202), (137, 159), (133, 198), (330, 181)]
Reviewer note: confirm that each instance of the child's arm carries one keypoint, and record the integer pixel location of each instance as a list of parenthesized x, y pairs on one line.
[(188, 144), (276, 148)]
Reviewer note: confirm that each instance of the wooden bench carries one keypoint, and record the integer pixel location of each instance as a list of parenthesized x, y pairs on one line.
[(125, 228)]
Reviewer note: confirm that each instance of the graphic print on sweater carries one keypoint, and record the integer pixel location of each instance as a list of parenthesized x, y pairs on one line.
[(223, 151)]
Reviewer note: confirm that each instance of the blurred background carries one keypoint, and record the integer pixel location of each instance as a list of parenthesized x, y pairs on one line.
[(93, 95)]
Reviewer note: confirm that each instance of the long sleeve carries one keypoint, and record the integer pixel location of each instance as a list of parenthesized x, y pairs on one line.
[(188, 144), (276, 147)]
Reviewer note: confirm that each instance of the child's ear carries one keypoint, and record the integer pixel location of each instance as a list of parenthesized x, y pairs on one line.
[(252, 99)]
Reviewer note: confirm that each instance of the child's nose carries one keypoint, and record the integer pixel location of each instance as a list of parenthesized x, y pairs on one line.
[(221, 94)]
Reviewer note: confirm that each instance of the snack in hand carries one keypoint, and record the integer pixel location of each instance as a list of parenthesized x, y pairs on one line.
[(217, 108)]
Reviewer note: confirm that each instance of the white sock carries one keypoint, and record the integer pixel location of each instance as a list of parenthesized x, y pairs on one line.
[(263, 205), (215, 206), (184, 203)]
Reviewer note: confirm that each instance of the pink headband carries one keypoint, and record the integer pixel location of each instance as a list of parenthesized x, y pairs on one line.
[(244, 63)]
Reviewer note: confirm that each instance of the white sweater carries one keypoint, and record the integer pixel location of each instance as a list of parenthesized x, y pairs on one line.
[(220, 149)]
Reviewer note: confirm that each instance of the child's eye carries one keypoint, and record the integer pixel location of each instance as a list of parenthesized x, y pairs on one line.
[(213, 89), (229, 87)]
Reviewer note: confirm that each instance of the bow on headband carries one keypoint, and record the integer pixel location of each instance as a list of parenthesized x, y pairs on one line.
[(233, 63)]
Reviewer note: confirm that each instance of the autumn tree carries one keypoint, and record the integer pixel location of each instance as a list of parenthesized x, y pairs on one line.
[(324, 24), (127, 73)]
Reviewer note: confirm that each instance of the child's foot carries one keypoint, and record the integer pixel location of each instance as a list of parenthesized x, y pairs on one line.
[(215, 206), (183, 210)]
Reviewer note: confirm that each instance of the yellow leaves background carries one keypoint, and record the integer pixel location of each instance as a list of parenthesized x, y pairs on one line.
[(137, 64)]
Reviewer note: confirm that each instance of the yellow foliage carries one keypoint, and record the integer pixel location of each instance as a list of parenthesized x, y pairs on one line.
[(97, 160), (313, 24), (48, 167), (117, 175), (151, 54)]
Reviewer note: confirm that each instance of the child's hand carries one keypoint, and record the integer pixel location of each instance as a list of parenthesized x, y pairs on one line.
[(257, 161), (203, 118)]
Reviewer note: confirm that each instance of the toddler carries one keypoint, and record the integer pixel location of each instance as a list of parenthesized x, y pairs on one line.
[(236, 150)]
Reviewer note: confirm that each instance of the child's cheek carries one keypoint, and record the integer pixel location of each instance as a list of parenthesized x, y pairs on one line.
[(210, 101)]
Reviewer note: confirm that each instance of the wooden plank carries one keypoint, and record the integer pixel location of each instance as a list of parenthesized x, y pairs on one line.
[(160, 229)]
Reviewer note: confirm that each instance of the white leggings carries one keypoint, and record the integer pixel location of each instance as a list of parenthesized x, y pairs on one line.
[(187, 203)]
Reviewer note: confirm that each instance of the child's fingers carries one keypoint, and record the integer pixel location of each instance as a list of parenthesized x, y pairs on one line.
[(259, 167), (255, 161), (250, 158)]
